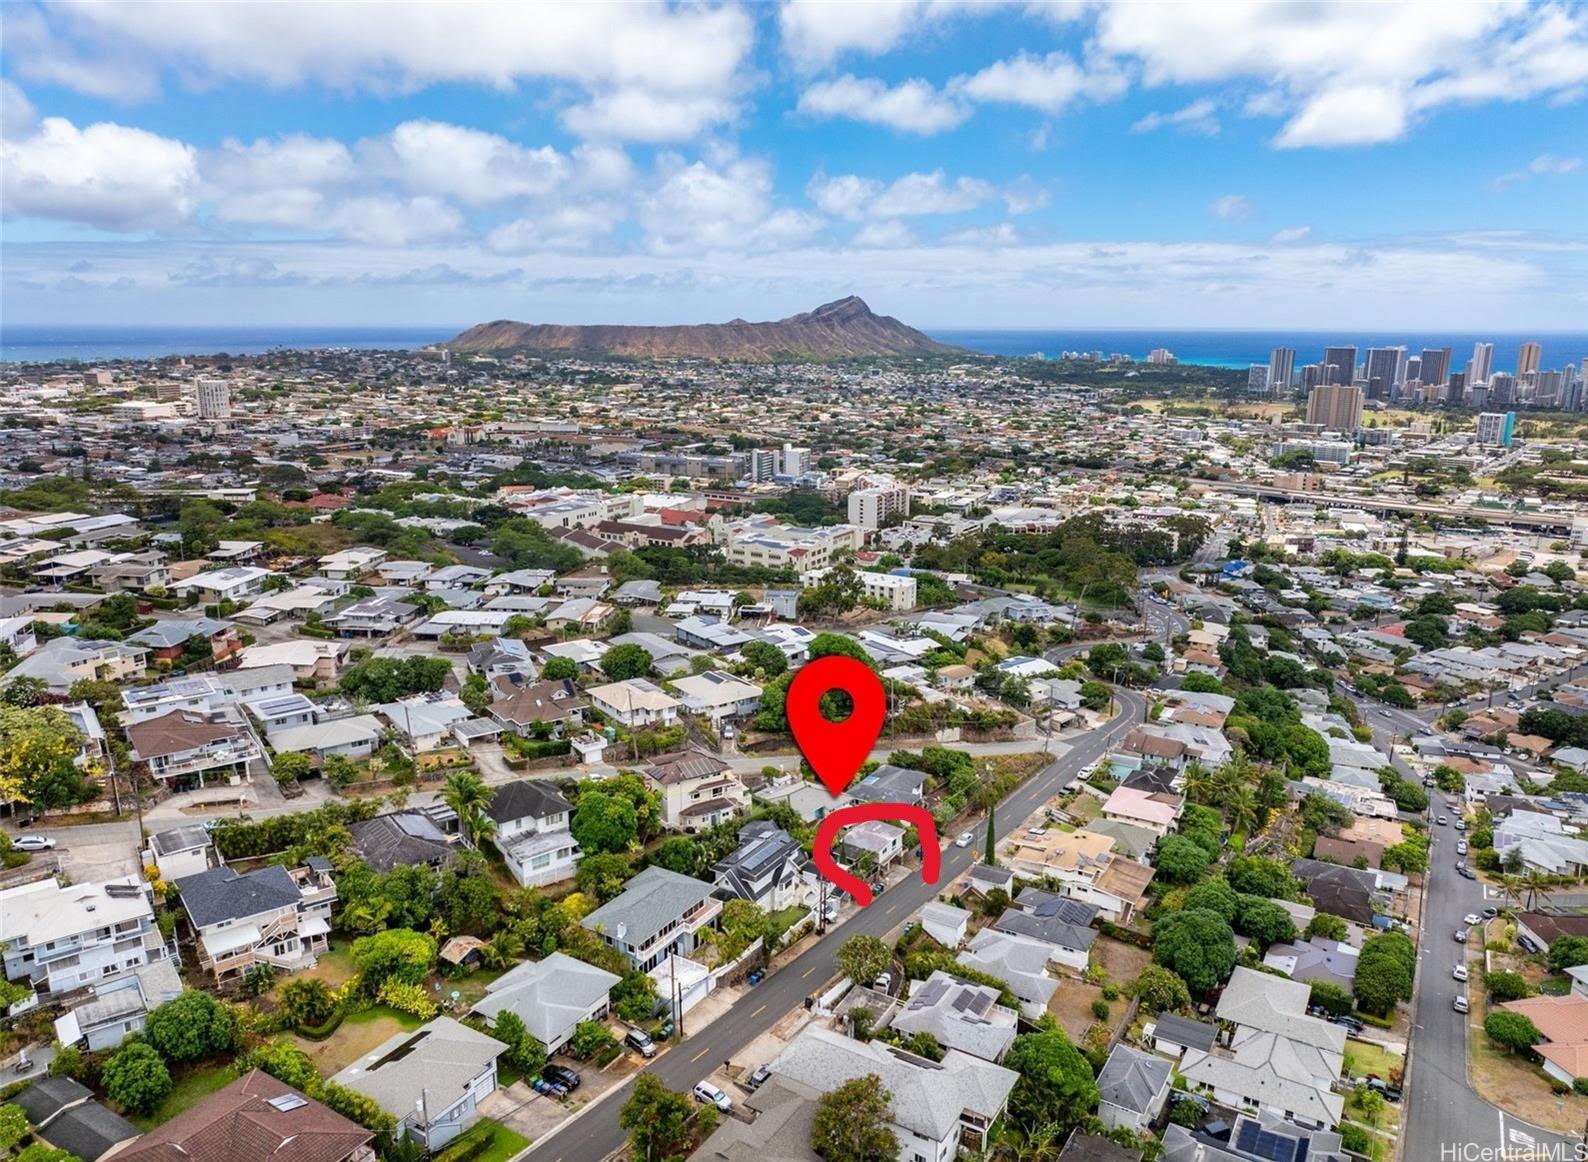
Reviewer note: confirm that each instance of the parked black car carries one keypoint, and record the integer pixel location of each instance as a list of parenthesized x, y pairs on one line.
[(562, 1075), (1390, 1092), (1349, 1022), (758, 1078)]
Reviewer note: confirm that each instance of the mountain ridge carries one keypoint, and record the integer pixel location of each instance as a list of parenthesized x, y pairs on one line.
[(843, 329)]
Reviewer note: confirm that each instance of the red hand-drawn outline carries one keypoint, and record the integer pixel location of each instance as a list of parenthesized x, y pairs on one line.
[(827, 831)]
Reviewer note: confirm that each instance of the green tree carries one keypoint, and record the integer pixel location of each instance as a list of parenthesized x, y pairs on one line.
[(396, 954), (192, 1026), (1263, 920), (13, 1126), (679, 854), (1327, 926), (1215, 896), (39, 746), (136, 1078), (1335, 998), (1568, 952), (764, 658), (1161, 991), (604, 822), (1506, 986), (476, 694), (851, 1123), (863, 958), (466, 793), (1055, 1086), (1511, 1031), (1180, 860), (657, 1120), (559, 669), (1384, 972), (1197, 944), (526, 1054), (601, 875), (626, 661), (307, 1002), (291, 766)]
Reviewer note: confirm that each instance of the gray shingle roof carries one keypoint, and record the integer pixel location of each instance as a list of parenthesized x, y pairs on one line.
[(1131, 1079), (551, 995), (526, 799), (89, 1131), (437, 1061), (649, 902), (220, 893)]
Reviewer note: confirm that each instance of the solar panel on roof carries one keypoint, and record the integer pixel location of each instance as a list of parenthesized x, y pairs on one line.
[(980, 1003), (286, 1102), (1253, 1139)]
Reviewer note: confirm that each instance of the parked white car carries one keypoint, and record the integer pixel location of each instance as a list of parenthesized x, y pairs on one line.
[(33, 843), (710, 1095), (1459, 972), (965, 840)]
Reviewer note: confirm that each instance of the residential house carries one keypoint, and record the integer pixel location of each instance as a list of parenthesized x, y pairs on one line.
[(785, 1114), (61, 661), (891, 784), (1020, 963), (1564, 1023), (58, 939), (945, 923), (117, 1008), (532, 832), (353, 738), (698, 790), (1341, 891), (17, 635), (1278, 1059), (1085, 864), (503, 657), (1263, 1137), (425, 720), (768, 868), (132, 572), (235, 584), (551, 996), (937, 1108), (959, 1015), (269, 916), (183, 748), (718, 696), (282, 711), (179, 851), (1173, 1035), (374, 616), (1314, 960), (557, 704), (351, 564), (875, 842), (635, 702), (64, 1114), (1060, 923), (658, 913), (167, 641), (431, 1080), (310, 660), (1156, 811), (252, 1119), (1133, 1089), (400, 838)]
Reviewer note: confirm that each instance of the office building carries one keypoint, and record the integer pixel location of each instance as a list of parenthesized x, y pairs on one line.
[(1528, 358), (1281, 368), (1482, 363), (1496, 428), (1385, 372), (795, 462), (1337, 407), (1257, 379), (1435, 366), (213, 398), (870, 507), (763, 464), (1343, 360)]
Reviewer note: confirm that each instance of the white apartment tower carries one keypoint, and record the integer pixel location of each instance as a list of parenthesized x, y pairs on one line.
[(213, 398), (796, 461), (1281, 368), (1482, 365), (869, 507)]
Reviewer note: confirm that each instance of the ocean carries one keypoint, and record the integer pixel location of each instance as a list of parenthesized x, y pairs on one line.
[(89, 344)]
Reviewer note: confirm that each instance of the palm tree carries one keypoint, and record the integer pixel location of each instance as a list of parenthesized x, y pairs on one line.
[(1510, 887), (502, 949), (1198, 782), (1240, 808), (1537, 884), (466, 793)]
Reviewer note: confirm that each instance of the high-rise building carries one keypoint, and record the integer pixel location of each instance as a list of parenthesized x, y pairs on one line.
[(1281, 368), (213, 398), (1385, 371), (1414, 370), (1502, 390), (1257, 378), (869, 507), (1343, 359), (763, 464), (1548, 389), (1435, 365), (1312, 375), (1482, 364), (1162, 355), (1528, 358), (1337, 407), (795, 461), (1496, 428), (1456, 389)]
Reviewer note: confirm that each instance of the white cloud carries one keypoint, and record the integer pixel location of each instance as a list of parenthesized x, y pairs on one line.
[(1365, 114), (884, 235), (1231, 207), (16, 111), (1200, 117), (1355, 74), (570, 228), (1290, 234), (382, 220), (722, 205), (844, 196), (635, 114), (602, 167), (104, 175), (1049, 84), (432, 157), (1001, 234), (1544, 165), (816, 32), (931, 193), (294, 161), (912, 106)]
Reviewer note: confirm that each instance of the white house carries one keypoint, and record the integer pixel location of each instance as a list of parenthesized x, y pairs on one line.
[(58, 939), (237, 583), (718, 696), (635, 702), (551, 996), (532, 832)]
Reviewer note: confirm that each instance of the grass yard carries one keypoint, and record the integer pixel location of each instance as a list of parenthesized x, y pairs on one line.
[(1362, 1059), (1123, 962), (334, 966), (188, 1089), (356, 1036), (786, 919), (504, 1143)]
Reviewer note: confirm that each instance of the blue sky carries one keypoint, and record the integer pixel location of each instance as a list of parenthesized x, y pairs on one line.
[(1243, 164)]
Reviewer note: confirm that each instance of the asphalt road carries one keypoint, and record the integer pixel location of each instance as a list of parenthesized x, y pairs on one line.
[(1443, 1113), (596, 1133)]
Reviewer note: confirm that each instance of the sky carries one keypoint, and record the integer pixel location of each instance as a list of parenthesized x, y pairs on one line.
[(1244, 164)]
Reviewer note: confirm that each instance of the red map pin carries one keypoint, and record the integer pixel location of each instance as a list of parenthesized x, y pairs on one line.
[(835, 750)]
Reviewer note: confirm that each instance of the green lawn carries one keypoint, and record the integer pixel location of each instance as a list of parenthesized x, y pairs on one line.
[(357, 1035), (1362, 1059), (188, 1089), (504, 1143), (786, 919)]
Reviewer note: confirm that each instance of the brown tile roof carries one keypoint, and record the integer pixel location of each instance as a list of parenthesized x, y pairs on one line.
[(1126, 879), (539, 702), (237, 1124), (684, 765), (1550, 928), (175, 733), (1156, 745), (1563, 1020), (1346, 851)]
